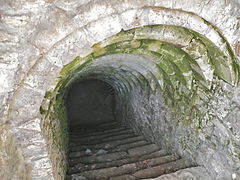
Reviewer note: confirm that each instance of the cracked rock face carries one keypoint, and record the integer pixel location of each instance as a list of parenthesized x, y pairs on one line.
[(177, 81)]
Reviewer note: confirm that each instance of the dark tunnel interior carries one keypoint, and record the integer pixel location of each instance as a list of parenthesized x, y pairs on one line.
[(89, 102)]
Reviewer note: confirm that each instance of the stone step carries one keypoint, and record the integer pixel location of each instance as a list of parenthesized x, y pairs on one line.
[(105, 140), (116, 149), (97, 159), (123, 177), (107, 124), (195, 173), (94, 137), (97, 133), (101, 125), (113, 152), (162, 169), (142, 150), (126, 168), (82, 167), (106, 145), (131, 145), (134, 152), (94, 129)]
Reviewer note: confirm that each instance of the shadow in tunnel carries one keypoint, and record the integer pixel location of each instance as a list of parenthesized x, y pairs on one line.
[(88, 103)]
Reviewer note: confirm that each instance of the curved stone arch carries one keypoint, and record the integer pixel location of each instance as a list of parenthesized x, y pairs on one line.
[(98, 51), (55, 65), (38, 88), (95, 9), (203, 26)]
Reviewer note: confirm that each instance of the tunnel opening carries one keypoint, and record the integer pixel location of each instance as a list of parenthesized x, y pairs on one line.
[(187, 99), (89, 103), (131, 139), (161, 92)]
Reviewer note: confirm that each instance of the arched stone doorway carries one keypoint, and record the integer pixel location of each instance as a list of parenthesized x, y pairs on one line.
[(36, 76)]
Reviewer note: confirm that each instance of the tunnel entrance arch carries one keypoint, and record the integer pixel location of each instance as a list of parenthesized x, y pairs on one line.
[(19, 107), (156, 72)]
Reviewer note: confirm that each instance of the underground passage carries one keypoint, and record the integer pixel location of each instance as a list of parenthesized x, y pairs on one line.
[(125, 107), (100, 147), (120, 90)]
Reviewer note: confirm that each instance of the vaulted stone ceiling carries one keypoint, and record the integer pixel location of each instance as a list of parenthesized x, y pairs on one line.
[(174, 66)]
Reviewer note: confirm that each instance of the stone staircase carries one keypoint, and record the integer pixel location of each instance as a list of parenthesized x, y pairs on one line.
[(114, 152)]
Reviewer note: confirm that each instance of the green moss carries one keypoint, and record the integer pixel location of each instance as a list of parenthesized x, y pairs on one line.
[(47, 94), (180, 78), (231, 58), (181, 35), (54, 128), (218, 59), (42, 111), (67, 68)]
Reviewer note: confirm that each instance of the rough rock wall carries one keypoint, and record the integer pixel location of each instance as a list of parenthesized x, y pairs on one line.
[(39, 37), (212, 142), (190, 130)]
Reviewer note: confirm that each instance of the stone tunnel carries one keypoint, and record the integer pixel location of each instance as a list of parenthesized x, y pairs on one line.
[(167, 69)]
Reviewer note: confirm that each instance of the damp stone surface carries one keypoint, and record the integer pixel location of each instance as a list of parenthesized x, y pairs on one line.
[(174, 67)]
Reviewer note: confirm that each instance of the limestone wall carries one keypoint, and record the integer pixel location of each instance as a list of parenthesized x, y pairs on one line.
[(39, 37)]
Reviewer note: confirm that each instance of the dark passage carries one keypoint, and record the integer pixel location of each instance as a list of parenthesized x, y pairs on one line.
[(90, 102), (101, 148)]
